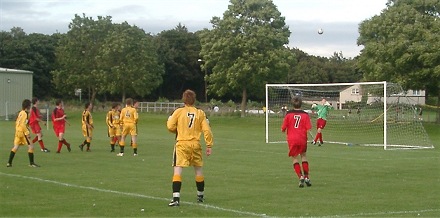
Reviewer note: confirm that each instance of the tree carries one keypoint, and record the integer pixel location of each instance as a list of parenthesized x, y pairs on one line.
[(312, 69), (128, 62), (402, 45), (245, 49), (179, 51), (77, 66), (33, 52)]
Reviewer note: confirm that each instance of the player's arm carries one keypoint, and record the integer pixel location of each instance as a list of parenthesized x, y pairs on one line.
[(90, 120), (172, 122), (328, 105), (135, 116), (207, 133), (122, 116), (108, 120), (284, 125)]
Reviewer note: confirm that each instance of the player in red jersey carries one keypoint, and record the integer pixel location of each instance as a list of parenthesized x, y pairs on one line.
[(59, 125), (297, 123), (34, 123)]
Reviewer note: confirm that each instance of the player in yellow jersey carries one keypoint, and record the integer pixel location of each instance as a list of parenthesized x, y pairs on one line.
[(114, 127), (188, 122), (136, 106), (22, 134), (87, 126), (128, 118)]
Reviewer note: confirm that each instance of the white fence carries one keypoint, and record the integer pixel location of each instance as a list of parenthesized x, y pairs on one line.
[(167, 107)]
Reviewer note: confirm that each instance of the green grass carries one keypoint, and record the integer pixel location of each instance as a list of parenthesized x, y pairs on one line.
[(244, 177)]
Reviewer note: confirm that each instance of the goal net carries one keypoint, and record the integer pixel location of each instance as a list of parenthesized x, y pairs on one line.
[(369, 114)]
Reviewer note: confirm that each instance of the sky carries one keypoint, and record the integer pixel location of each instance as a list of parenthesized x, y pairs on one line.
[(339, 19)]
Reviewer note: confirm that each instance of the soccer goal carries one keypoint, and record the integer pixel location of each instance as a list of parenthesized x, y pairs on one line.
[(365, 113)]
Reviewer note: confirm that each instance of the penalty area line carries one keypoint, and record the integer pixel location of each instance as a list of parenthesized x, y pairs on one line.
[(134, 195)]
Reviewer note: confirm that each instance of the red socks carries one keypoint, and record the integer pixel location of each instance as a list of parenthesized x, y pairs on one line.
[(318, 137), (297, 169)]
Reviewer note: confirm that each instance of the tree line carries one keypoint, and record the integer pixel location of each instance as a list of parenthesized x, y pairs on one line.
[(244, 49)]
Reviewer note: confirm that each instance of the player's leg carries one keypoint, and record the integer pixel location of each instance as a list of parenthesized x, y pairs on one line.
[(134, 144), (41, 143), (36, 129), (197, 162), (322, 126), (60, 138), (12, 153), (63, 140), (200, 183), (294, 152), (298, 171), (317, 136), (122, 143), (35, 138), (318, 131), (88, 141), (89, 138), (177, 185), (31, 153), (84, 143), (305, 167), (111, 135)]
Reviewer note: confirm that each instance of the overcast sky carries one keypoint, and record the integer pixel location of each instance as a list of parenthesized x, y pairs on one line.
[(338, 18)]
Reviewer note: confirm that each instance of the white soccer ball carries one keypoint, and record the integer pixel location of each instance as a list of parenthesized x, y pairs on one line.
[(320, 31), (343, 116)]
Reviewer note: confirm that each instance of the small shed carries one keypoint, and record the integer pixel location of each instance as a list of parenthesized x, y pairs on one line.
[(15, 86)]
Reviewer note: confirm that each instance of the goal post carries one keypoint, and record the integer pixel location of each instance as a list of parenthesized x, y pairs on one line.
[(365, 113)]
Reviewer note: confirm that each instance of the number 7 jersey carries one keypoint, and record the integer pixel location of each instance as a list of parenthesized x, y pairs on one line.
[(296, 123), (188, 123)]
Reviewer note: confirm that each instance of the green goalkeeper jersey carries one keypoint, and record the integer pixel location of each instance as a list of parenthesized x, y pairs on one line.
[(322, 110)]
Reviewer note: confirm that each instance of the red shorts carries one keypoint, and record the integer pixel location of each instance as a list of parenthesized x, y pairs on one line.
[(35, 127), (58, 130), (320, 123), (297, 149)]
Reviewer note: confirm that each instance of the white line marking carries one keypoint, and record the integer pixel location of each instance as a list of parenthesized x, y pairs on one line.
[(136, 195), (211, 206)]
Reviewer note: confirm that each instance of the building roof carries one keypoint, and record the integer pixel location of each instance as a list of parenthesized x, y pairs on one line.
[(7, 70)]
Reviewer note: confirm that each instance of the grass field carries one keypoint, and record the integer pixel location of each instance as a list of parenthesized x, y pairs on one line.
[(244, 177)]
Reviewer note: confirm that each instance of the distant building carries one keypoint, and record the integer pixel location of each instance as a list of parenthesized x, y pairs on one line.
[(15, 86), (354, 94)]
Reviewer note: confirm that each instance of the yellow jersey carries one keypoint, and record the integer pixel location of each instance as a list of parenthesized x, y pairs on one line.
[(113, 118), (87, 118), (22, 123), (129, 115), (188, 123)]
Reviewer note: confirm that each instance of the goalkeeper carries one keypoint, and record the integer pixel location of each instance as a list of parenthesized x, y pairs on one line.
[(322, 111)]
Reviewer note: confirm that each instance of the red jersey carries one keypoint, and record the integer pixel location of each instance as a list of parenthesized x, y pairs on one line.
[(296, 123), (57, 113), (35, 116)]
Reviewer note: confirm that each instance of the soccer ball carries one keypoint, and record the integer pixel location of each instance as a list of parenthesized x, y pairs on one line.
[(320, 31)]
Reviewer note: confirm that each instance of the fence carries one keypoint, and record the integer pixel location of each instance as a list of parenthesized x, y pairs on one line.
[(167, 107)]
